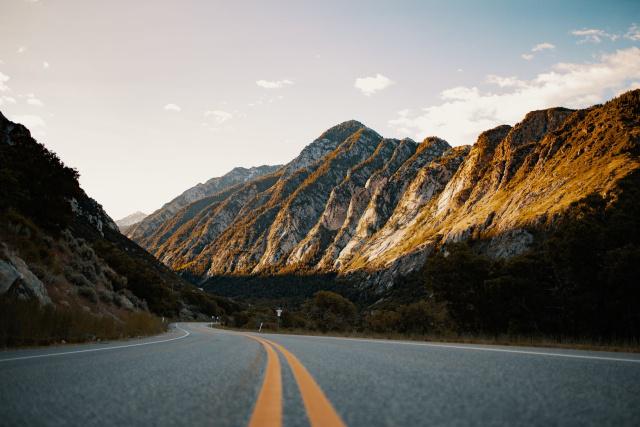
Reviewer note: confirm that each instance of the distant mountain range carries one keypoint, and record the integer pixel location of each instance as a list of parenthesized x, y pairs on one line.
[(161, 218), (129, 220), (373, 208)]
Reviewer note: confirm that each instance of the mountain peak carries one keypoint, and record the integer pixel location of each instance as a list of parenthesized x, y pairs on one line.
[(323, 145), (342, 130)]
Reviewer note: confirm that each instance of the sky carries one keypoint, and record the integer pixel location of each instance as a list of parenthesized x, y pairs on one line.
[(148, 98)]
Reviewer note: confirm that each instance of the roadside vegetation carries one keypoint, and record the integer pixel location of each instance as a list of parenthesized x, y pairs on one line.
[(26, 323)]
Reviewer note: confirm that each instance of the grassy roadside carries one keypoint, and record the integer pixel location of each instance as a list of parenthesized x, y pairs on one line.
[(503, 340), (26, 323)]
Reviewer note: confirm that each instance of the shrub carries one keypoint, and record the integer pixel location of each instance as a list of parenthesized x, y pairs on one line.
[(382, 321), (329, 311)]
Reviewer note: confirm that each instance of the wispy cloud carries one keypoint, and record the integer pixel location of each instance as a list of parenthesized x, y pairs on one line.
[(172, 107), (543, 46), (22, 49), (7, 100), (371, 85), (633, 33), (273, 84), (593, 35), (505, 81), (266, 100), (466, 111), (3, 80), (537, 48), (219, 116), (35, 102), (45, 65)]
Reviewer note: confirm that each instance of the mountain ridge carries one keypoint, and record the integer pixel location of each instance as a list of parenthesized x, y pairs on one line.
[(354, 202)]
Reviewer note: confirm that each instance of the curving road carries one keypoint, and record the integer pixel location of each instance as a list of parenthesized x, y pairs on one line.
[(195, 375)]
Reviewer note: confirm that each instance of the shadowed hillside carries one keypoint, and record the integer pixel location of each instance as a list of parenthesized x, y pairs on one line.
[(66, 272)]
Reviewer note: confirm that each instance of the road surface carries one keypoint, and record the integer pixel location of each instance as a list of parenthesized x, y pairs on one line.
[(195, 375)]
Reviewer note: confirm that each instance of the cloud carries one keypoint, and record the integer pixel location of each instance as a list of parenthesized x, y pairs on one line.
[(371, 85), (466, 111), (543, 46), (7, 100), (22, 49), (35, 102), (537, 48), (172, 107), (3, 80), (505, 81), (219, 116), (266, 100), (633, 33), (593, 35), (45, 65), (274, 84)]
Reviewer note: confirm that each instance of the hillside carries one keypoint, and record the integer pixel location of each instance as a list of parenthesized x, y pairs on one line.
[(151, 224), (60, 251), (372, 208)]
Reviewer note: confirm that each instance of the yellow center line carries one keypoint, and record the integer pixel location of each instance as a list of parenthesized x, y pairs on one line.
[(268, 409), (319, 409)]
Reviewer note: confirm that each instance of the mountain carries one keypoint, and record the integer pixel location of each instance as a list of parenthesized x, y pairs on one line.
[(150, 225), (372, 208), (129, 220), (60, 249)]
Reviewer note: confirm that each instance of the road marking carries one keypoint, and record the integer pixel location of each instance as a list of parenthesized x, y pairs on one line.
[(268, 409), (319, 409), (187, 333), (468, 347)]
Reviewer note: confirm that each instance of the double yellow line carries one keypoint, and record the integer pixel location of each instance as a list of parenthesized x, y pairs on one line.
[(268, 409)]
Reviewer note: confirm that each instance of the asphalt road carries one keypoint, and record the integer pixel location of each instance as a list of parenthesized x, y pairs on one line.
[(195, 375)]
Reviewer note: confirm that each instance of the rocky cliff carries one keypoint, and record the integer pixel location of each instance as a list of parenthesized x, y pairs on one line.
[(356, 203)]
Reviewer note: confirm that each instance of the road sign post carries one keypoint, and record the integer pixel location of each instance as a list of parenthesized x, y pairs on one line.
[(279, 313)]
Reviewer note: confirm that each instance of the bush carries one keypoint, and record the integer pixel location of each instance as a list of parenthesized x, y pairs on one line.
[(328, 311), (382, 321), (422, 317)]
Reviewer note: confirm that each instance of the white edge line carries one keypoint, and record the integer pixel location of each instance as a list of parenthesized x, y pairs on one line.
[(187, 333), (465, 347)]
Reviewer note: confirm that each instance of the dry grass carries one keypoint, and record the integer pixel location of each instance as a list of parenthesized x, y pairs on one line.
[(26, 323)]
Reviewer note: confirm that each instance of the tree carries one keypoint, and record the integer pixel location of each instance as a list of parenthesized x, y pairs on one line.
[(329, 311)]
